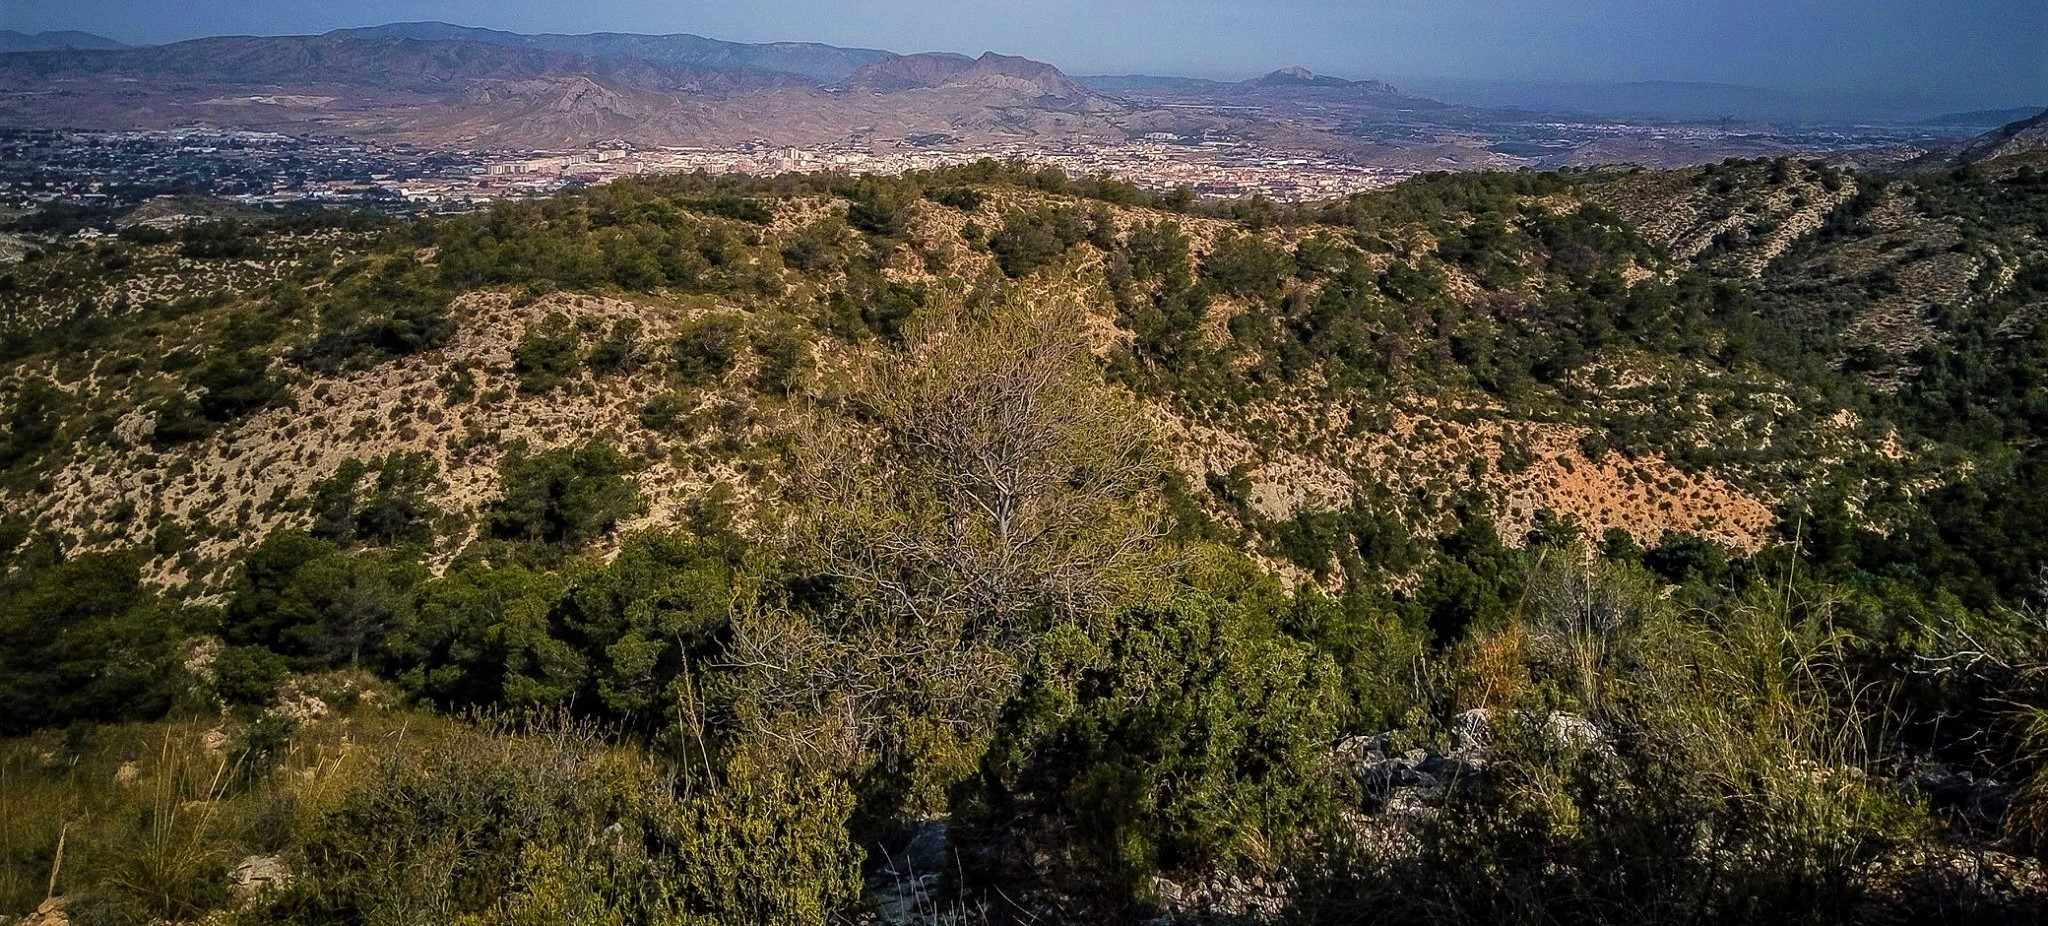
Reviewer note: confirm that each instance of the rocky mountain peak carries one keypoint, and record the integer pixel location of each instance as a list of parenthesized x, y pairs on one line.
[(993, 71)]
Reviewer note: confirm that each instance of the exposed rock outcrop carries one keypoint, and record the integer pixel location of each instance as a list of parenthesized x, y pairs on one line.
[(256, 874)]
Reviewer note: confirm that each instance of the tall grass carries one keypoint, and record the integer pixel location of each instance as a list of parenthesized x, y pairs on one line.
[(1737, 776), (2029, 821), (33, 812), (1758, 708), (172, 858), (152, 817)]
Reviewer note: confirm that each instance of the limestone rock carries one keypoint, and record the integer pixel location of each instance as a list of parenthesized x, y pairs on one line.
[(1571, 731), (256, 874), (50, 913)]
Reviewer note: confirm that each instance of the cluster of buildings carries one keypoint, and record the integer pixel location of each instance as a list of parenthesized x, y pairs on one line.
[(41, 167), (1208, 168), (1227, 169), (113, 169)]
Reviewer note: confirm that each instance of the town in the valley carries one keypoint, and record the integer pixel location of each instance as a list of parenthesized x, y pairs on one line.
[(98, 173), (41, 167)]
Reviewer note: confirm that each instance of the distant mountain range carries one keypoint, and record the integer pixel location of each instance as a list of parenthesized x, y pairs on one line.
[(932, 71), (1677, 100), (821, 63), (1301, 77), (1285, 79), (441, 84), (374, 62), (12, 41), (433, 83)]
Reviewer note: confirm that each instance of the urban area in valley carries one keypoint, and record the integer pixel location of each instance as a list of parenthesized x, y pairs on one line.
[(112, 169), (75, 181)]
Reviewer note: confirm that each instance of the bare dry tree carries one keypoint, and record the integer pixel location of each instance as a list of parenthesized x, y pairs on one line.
[(983, 478), (966, 493)]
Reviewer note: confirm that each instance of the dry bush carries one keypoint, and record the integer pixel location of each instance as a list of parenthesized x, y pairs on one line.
[(1491, 670), (983, 478), (960, 497)]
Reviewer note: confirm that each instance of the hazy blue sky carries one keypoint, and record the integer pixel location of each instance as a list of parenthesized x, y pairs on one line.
[(1977, 48)]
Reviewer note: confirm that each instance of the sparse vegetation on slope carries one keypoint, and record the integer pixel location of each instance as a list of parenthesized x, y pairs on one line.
[(991, 544)]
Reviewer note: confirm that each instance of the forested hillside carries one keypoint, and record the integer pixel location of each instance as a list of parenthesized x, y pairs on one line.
[(991, 545)]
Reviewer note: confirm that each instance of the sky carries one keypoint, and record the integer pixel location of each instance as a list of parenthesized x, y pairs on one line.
[(1994, 50)]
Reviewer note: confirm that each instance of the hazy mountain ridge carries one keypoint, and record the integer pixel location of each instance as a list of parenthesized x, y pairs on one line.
[(1691, 100), (467, 92), (1300, 77), (1288, 78), (818, 62), (13, 41), (991, 70), (437, 84), (377, 64)]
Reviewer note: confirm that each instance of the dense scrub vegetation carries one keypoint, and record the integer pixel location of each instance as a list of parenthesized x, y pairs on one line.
[(979, 595)]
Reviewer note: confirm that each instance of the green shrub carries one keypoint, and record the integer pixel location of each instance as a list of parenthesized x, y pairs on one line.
[(707, 347), (872, 304), (396, 311), (222, 240), (611, 639), (1382, 653), (1034, 238), (177, 420), (665, 413), (259, 747), (235, 384), (815, 247), (559, 827), (1158, 250), (81, 638), (618, 351), (1248, 266), (882, 208), (547, 353), (965, 199), (484, 635), (396, 508), (768, 847), (316, 604), (785, 351), (660, 604), (33, 418), (248, 675), (1732, 772), (564, 496), (1183, 735), (738, 208)]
